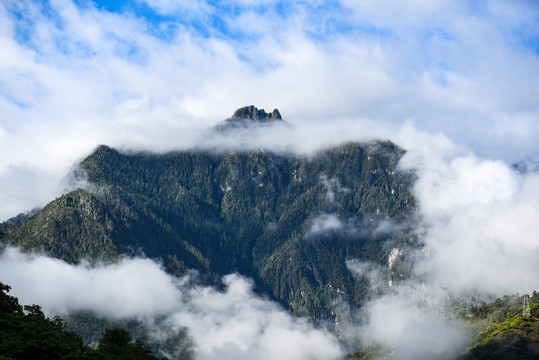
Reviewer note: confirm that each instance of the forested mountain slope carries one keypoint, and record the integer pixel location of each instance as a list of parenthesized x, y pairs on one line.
[(289, 221)]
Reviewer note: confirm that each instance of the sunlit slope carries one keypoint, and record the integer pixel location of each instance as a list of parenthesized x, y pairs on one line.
[(74, 226)]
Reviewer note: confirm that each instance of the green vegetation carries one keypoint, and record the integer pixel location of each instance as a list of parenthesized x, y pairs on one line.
[(91, 328), (509, 335), (25, 333), (74, 226), (369, 353), (498, 310), (289, 222)]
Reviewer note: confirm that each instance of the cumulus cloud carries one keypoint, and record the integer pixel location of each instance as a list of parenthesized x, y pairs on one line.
[(230, 324), (476, 216), (238, 325), (479, 225)]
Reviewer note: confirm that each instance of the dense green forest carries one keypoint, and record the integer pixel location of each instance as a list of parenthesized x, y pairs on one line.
[(288, 221), (26, 334)]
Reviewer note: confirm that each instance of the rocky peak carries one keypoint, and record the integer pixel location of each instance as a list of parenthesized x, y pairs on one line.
[(250, 117), (254, 114)]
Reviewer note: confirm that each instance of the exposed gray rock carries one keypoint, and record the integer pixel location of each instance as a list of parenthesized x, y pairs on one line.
[(250, 116), (253, 113)]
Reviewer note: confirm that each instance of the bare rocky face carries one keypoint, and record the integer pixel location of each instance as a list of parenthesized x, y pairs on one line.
[(253, 113)]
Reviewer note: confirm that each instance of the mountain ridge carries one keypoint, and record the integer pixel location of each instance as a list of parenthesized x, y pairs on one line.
[(289, 221), (245, 212)]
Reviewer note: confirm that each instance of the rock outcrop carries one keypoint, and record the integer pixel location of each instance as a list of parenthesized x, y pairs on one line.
[(251, 116), (254, 114)]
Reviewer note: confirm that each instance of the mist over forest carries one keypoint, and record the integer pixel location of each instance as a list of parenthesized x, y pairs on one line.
[(388, 206)]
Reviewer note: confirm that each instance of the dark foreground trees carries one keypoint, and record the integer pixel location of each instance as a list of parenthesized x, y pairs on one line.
[(25, 333)]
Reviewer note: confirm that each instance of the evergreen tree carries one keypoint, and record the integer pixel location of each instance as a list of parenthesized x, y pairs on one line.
[(26, 334)]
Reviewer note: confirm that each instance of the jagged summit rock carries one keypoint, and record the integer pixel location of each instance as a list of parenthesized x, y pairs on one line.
[(250, 116), (253, 113)]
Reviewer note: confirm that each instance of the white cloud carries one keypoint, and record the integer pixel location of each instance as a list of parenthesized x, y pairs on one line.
[(477, 217), (461, 182), (167, 7), (25, 188), (404, 322), (238, 325), (136, 288), (325, 223), (230, 324), (484, 239), (378, 278), (478, 225)]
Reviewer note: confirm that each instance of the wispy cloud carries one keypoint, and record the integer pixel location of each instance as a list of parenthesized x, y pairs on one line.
[(325, 223)]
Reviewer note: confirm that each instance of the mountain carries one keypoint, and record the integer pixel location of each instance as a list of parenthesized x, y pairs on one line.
[(290, 222)]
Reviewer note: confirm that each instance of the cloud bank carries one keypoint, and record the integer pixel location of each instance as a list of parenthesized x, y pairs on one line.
[(230, 324), (478, 226)]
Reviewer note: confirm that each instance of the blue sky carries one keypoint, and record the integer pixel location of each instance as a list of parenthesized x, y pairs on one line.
[(74, 74)]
